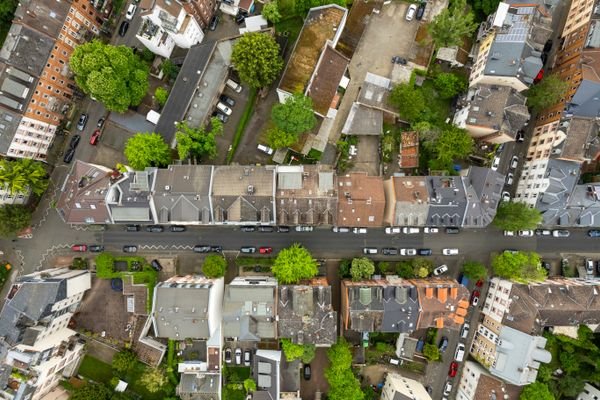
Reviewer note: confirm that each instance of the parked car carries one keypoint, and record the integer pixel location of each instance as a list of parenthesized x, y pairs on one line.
[(393, 230), (238, 356), (390, 251), (546, 265), (307, 372), (123, 28), (266, 229), (593, 233), (495, 163), (132, 228), (156, 265), (236, 87), (450, 252), (227, 100), (440, 270), (79, 247), (216, 249), (359, 230), (248, 249), (475, 298), (240, 18), (447, 388), (69, 156), (341, 229), (543, 232), (214, 21), (443, 344), (526, 233), (505, 196), (510, 178), (248, 228), (424, 252), (410, 230), (130, 248), (82, 121), (155, 228), (421, 11), (408, 252), (228, 355), (453, 369), (100, 123), (508, 233), (201, 248), (283, 229), (223, 108), (178, 228), (459, 354), (514, 162), (398, 60), (430, 230), (265, 250), (520, 138), (95, 138), (130, 12), (589, 266), (74, 142), (511, 251), (452, 230), (247, 357), (96, 248), (220, 116), (561, 233), (265, 149), (410, 13), (304, 228), (464, 331), (369, 250)]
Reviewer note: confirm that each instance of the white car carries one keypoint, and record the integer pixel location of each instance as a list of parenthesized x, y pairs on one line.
[(265, 149), (447, 388), (393, 229), (130, 12), (505, 196), (408, 252), (440, 270), (495, 163), (410, 230), (359, 230), (410, 13), (510, 179), (560, 233), (341, 229), (464, 332), (526, 233), (450, 252), (431, 230), (304, 228), (509, 233), (514, 162), (224, 109), (369, 250)]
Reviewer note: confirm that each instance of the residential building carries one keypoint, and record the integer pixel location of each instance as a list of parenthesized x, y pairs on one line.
[(181, 195), (250, 309), (398, 387), (483, 188), (578, 16), (408, 156), (510, 45), (380, 305), (243, 194), (407, 201), (447, 201), (443, 303), (589, 393), (361, 200), (476, 383), (276, 379), (128, 198), (82, 198), (305, 314), (34, 326), (492, 113), (234, 7), (166, 24), (306, 195)]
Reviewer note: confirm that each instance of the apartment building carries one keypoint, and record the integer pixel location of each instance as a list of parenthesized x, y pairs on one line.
[(510, 43), (40, 86), (578, 16), (476, 383), (398, 387), (34, 327)]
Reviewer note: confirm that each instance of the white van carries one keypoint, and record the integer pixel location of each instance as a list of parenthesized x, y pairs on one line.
[(410, 230), (410, 13), (234, 85), (130, 12), (223, 108), (265, 149), (459, 355)]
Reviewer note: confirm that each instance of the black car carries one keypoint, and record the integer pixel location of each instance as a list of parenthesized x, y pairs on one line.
[(213, 22), (220, 116), (155, 228), (390, 251), (283, 229), (178, 228), (420, 11), (74, 142), (123, 28), (69, 156), (266, 228), (216, 249), (132, 228), (202, 248), (100, 123), (546, 265), (130, 249), (398, 60), (594, 233), (452, 230), (520, 137), (96, 248), (227, 100), (307, 372), (248, 228), (240, 18), (82, 121), (156, 265), (228, 355), (443, 344), (424, 252)]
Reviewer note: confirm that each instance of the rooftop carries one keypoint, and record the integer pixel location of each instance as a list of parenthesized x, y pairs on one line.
[(129, 198), (581, 142), (447, 200), (26, 49), (483, 188), (322, 88), (46, 16), (322, 24), (17, 88), (487, 385), (374, 92), (409, 150), (361, 200), (443, 303), (562, 177), (407, 201), (363, 120)]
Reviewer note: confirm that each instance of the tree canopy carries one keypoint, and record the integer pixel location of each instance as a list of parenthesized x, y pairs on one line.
[(422, 267), (484, 7), (147, 150), (153, 379), (124, 360), (23, 175), (295, 115), (91, 391), (432, 352), (198, 143), (474, 270), (516, 215), (452, 143), (449, 85), (294, 264), (249, 385), (409, 101), (343, 385), (113, 75), (271, 12), (361, 268), (546, 93), (450, 26), (13, 218), (256, 58), (293, 351), (519, 266), (536, 391), (277, 138), (161, 95), (214, 266)]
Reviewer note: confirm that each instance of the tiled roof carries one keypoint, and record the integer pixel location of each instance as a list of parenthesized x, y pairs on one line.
[(326, 78), (361, 200), (443, 303)]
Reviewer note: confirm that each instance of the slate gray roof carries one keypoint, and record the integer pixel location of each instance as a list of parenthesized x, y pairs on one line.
[(181, 194), (583, 207), (581, 142), (267, 374), (562, 177), (306, 315), (5, 371), (129, 198), (483, 189), (242, 194), (584, 103), (9, 122), (46, 16), (447, 201), (26, 49), (249, 309), (17, 87), (200, 386), (363, 120)]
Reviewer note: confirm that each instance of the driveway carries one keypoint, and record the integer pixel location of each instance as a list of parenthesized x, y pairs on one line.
[(367, 157), (317, 382), (229, 128)]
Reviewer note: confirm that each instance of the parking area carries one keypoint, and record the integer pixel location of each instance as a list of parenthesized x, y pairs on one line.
[(367, 155), (229, 128), (317, 381)]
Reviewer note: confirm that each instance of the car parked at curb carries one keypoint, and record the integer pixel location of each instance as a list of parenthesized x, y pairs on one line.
[(130, 248), (431, 230), (452, 230), (561, 233), (304, 228), (132, 228), (213, 22), (443, 344), (96, 248), (341, 229), (393, 230), (475, 298), (201, 248), (408, 252), (450, 252), (155, 228), (178, 228), (526, 233), (69, 156), (543, 232), (79, 247), (359, 230), (440, 270), (593, 233), (390, 251), (265, 250), (248, 228), (123, 28), (370, 250), (220, 116), (227, 100), (74, 142), (95, 138), (156, 265), (248, 249), (228, 355), (453, 369), (82, 121)]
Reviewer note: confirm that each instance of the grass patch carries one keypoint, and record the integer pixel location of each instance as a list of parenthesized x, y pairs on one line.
[(291, 25), (239, 131), (237, 374), (95, 370), (439, 108), (252, 261)]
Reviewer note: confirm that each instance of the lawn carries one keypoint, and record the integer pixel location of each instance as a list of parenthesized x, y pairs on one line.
[(291, 25), (439, 108), (95, 370), (235, 376)]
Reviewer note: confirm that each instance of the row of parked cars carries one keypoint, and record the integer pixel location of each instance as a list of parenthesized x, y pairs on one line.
[(392, 251), (226, 103), (542, 232)]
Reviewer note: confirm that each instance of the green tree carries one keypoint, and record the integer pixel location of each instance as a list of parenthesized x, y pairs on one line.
[(161, 95), (431, 352), (113, 75), (536, 391), (449, 85), (450, 26), (249, 385), (197, 143), (153, 379), (310, 351), (344, 269), (7, 11), (214, 266), (291, 350), (520, 266), (23, 175), (409, 101), (452, 143), (362, 268), (147, 150), (404, 269), (271, 12), (278, 138), (485, 7), (91, 391), (516, 215), (295, 115), (474, 270), (105, 263), (546, 93), (13, 218), (169, 69), (343, 385), (124, 361), (294, 264), (256, 58)]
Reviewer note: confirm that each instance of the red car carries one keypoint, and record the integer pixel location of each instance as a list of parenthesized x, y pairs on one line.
[(475, 298), (79, 247), (265, 250), (95, 137), (479, 283), (453, 369)]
